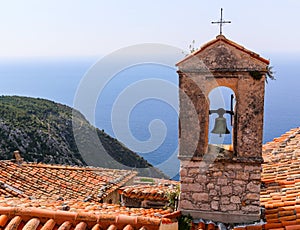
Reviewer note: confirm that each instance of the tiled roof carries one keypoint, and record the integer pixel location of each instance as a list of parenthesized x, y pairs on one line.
[(68, 182), (280, 194), (157, 190), (22, 213)]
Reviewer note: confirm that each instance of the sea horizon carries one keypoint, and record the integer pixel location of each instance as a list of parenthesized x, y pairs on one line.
[(58, 79)]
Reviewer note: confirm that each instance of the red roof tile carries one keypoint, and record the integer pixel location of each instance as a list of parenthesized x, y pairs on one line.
[(68, 182), (280, 194), (156, 190), (47, 214)]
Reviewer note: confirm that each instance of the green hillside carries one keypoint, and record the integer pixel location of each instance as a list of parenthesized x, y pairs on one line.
[(42, 131)]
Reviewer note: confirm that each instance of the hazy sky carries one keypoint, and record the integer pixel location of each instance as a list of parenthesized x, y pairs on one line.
[(98, 27)]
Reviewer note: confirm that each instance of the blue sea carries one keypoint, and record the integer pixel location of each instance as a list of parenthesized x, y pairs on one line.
[(139, 105)]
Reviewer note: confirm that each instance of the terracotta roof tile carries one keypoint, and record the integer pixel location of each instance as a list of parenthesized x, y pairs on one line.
[(68, 182), (156, 190), (47, 214), (280, 192)]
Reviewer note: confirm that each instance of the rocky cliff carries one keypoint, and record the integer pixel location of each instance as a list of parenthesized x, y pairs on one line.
[(42, 131)]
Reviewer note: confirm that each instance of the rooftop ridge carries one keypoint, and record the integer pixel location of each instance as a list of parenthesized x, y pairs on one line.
[(69, 167), (61, 216)]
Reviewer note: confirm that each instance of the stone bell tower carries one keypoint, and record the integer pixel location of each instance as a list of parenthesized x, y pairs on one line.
[(217, 183)]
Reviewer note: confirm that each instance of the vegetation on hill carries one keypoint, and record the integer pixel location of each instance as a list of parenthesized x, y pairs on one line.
[(42, 131)]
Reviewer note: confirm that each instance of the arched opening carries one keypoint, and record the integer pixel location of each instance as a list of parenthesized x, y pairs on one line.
[(221, 118)]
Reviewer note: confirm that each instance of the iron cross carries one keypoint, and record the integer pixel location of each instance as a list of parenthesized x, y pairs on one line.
[(221, 22)]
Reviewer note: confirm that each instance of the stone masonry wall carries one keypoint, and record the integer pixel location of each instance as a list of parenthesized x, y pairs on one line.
[(222, 187)]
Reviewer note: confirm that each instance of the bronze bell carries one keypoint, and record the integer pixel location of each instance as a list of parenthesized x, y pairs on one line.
[(220, 122), (220, 126)]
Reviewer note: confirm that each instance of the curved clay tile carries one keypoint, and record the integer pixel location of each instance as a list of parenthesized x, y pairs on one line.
[(32, 224), (143, 228), (81, 226), (120, 219), (292, 227), (14, 223), (49, 225), (172, 215), (85, 216), (148, 221), (3, 220), (112, 227), (96, 227), (128, 227), (64, 215), (65, 226)]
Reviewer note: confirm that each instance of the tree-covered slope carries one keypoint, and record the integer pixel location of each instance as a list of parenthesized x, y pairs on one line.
[(42, 131)]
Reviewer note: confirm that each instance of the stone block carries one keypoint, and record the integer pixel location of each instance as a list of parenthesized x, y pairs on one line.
[(225, 200), (222, 181), (252, 168), (205, 207), (242, 176), (217, 174), (255, 176), (185, 196), (184, 187), (217, 188), (210, 186), (238, 190), (235, 167), (201, 179), (186, 180), (239, 182), (226, 190), (195, 187), (200, 196), (235, 200), (253, 187), (251, 209), (186, 204), (230, 174), (214, 205), (228, 207), (213, 192), (203, 167), (252, 196)]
